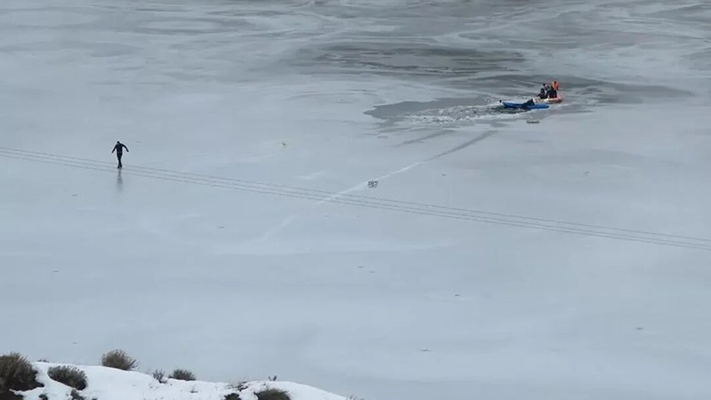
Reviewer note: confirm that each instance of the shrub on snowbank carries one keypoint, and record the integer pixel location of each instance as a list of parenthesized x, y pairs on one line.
[(182, 375), (70, 376), (159, 375), (75, 395), (66, 381), (120, 360), (272, 394), (17, 373)]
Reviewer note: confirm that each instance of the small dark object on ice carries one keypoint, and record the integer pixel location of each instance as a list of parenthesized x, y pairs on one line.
[(372, 184)]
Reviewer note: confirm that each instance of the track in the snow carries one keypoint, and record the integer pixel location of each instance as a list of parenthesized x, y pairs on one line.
[(370, 202)]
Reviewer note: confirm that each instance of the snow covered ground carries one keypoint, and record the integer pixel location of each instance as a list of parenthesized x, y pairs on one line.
[(112, 384), (495, 259)]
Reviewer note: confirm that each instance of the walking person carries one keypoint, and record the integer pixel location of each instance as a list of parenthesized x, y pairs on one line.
[(118, 148)]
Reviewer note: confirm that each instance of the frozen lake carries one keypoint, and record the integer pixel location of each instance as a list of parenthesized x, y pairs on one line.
[(495, 259)]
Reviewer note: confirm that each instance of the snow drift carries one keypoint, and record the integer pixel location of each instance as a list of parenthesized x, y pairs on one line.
[(113, 384)]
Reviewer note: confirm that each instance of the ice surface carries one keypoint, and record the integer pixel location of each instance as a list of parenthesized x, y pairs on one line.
[(564, 259)]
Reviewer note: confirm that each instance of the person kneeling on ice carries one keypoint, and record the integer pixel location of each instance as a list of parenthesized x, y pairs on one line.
[(553, 90), (543, 94), (118, 148)]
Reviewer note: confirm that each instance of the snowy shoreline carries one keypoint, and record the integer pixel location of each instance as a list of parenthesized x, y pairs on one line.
[(104, 383)]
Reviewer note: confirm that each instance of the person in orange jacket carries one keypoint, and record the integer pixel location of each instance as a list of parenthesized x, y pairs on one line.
[(553, 90)]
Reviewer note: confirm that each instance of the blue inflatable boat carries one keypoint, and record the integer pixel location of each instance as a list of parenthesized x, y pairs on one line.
[(524, 106)]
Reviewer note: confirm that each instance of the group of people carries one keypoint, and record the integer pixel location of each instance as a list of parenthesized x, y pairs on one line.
[(549, 91)]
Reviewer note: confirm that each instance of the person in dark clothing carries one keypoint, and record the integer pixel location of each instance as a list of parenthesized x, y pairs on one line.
[(543, 94), (118, 148), (529, 103)]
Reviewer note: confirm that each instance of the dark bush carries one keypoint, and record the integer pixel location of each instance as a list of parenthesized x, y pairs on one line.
[(17, 373), (182, 375), (120, 360), (10, 396), (232, 396), (273, 394), (75, 395), (159, 375), (240, 386), (70, 376)]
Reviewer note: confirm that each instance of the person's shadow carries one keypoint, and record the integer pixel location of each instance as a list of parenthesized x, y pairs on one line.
[(119, 181)]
